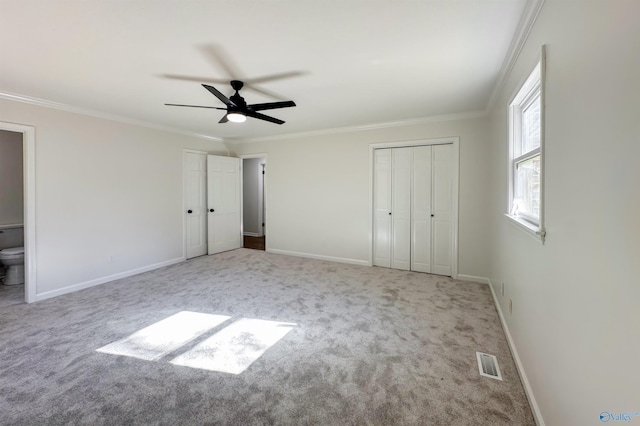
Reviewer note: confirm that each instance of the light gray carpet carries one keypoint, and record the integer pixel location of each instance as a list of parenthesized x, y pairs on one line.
[(372, 346)]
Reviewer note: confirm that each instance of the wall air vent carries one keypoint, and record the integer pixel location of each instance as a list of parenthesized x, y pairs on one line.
[(488, 366)]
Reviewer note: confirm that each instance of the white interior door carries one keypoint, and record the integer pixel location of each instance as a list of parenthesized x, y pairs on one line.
[(195, 170), (421, 210), (401, 208), (224, 204), (382, 208), (442, 206)]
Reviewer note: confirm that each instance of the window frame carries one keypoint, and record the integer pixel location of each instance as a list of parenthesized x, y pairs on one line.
[(526, 93)]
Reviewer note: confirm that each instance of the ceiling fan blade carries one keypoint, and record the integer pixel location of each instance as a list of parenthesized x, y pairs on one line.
[(271, 105), (196, 79), (267, 93), (219, 95), (223, 119), (273, 77), (247, 84), (219, 58), (263, 117), (194, 106)]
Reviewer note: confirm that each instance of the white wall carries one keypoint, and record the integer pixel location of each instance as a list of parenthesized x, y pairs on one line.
[(11, 181), (250, 195), (576, 299), (318, 190), (103, 189)]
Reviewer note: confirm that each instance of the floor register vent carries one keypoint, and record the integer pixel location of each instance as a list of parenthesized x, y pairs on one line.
[(488, 366)]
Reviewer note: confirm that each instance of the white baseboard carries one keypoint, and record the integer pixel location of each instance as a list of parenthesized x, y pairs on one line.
[(102, 280), (320, 257), (251, 234), (473, 279), (537, 415)]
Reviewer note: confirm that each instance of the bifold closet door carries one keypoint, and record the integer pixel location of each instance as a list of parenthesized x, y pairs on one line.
[(421, 210), (382, 208), (392, 208), (223, 199), (401, 208), (442, 209), (413, 204)]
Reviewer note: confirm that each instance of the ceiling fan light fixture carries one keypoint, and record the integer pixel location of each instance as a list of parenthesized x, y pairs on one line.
[(236, 117)]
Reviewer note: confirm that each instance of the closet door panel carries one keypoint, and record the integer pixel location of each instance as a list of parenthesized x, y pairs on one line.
[(421, 210), (442, 204), (382, 208), (401, 208)]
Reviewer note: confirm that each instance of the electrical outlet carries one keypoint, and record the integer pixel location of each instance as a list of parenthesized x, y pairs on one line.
[(112, 259), (510, 307), (502, 288)]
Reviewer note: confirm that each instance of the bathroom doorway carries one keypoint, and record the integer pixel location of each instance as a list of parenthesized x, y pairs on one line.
[(17, 211), (253, 201), (11, 218)]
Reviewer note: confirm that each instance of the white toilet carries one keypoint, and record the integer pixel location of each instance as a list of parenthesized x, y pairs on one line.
[(13, 259)]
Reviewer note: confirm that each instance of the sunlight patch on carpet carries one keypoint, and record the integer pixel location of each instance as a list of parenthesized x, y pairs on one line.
[(157, 340), (236, 347)]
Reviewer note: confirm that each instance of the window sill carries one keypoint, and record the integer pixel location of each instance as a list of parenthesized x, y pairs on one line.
[(530, 229)]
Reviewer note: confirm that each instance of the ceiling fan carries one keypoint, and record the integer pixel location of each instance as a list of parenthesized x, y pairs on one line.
[(237, 109)]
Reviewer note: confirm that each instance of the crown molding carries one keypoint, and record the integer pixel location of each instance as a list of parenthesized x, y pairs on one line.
[(364, 127), (530, 14), (99, 114), (330, 131)]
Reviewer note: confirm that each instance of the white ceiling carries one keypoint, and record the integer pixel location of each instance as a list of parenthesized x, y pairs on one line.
[(346, 63)]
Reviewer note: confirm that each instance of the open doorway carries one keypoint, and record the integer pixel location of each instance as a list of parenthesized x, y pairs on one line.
[(11, 219), (17, 214), (253, 202)]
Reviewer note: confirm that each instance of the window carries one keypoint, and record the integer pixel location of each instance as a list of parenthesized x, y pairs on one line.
[(526, 124)]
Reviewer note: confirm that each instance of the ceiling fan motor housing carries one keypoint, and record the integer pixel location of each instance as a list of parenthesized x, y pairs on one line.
[(239, 101), (237, 84)]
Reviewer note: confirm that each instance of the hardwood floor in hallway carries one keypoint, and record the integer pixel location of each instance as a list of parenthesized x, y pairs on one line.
[(256, 243)]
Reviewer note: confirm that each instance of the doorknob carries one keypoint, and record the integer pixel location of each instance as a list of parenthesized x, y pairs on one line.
[(432, 215), (389, 213), (211, 210), (189, 211)]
